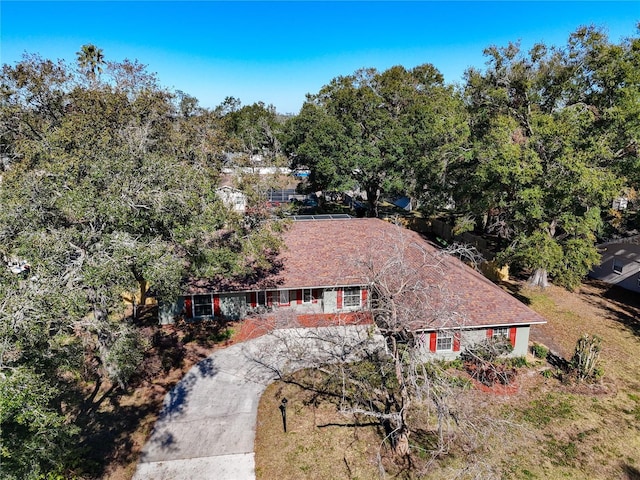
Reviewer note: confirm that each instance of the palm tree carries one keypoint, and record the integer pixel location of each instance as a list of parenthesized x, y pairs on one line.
[(90, 59)]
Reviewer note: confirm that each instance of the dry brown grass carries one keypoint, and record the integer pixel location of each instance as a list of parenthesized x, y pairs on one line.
[(319, 443), (546, 430)]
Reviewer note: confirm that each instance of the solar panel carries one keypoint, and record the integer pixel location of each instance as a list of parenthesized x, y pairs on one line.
[(310, 218)]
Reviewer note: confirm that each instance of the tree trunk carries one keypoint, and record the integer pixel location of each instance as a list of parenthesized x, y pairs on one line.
[(142, 291), (373, 194), (539, 278), (401, 437)]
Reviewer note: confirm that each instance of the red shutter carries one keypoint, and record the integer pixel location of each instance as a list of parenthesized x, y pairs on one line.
[(269, 299), (432, 341), (254, 299), (456, 341), (188, 307), (216, 306), (512, 336), (315, 294), (489, 332), (364, 297), (299, 295), (339, 298)]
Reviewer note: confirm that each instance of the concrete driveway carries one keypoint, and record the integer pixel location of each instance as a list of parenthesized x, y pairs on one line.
[(207, 427)]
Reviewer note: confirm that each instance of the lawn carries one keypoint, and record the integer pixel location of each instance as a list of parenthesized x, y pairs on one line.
[(545, 429)]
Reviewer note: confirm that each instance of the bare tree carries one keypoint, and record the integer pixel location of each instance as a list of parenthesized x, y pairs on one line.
[(381, 372)]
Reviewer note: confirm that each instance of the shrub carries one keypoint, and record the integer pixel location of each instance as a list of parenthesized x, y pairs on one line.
[(584, 363), (488, 350), (539, 351), (516, 362)]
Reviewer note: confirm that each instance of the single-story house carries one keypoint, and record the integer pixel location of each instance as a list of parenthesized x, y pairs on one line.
[(325, 269), (620, 263), (233, 198)]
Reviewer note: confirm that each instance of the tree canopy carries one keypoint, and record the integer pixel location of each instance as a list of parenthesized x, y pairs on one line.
[(532, 149), (374, 130), (545, 142), (106, 189)]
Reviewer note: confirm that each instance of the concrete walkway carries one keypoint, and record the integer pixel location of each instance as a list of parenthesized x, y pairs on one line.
[(207, 427)]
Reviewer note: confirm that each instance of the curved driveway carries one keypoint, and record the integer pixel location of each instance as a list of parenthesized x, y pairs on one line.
[(207, 427)]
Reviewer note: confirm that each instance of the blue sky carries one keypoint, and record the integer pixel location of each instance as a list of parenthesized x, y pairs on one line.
[(276, 52)]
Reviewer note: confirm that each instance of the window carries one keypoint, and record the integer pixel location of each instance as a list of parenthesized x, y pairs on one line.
[(617, 266), (501, 332), (202, 306), (284, 297), (351, 297), (307, 295), (262, 298), (444, 341)]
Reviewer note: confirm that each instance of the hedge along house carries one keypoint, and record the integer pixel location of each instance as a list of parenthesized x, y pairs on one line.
[(329, 268)]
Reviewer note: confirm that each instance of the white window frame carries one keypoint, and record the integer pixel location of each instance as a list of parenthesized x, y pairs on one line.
[(283, 297), (501, 332), (199, 304), (444, 341), (617, 266), (307, 295), (351, 297)]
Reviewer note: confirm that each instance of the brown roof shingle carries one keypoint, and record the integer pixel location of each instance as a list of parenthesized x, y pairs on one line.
[(328, 253)]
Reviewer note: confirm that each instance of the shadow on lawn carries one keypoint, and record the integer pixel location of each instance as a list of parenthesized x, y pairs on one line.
[(622, 305), (631, 473)]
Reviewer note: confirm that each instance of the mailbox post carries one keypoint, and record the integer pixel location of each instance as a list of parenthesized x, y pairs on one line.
[(283, 411)]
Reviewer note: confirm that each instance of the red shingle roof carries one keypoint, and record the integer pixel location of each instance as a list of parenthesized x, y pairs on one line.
[(328, 253)]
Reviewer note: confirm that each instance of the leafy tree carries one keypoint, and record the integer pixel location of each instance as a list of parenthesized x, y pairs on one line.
[(540, 166), (606, 78), (36, 437), (375, 130), (107, 192), (255, 129)]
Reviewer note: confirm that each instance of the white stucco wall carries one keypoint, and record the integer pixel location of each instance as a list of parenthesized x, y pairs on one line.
[(330, 301), (522, 342)]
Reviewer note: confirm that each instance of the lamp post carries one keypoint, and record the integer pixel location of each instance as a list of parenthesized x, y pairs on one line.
[(283, 411)]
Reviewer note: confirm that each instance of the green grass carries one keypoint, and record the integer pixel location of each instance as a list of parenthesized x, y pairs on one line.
[(550, 408)]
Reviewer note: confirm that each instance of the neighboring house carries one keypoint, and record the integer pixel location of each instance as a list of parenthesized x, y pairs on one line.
[(620, 203), (321, 272), (620, 263), (233, 198)]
